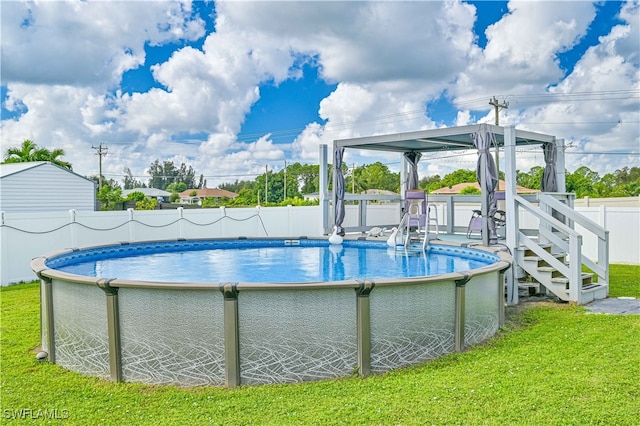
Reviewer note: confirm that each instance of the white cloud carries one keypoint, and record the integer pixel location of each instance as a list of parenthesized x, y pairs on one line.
[(87, 43), (53, 120), (596, 107), (463, 118), (306, 145), (521, 52), (388, 59), (368, 43)]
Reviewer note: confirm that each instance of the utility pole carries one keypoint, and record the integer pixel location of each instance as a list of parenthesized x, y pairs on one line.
[(497, 107), (285, 181), (101, 151)]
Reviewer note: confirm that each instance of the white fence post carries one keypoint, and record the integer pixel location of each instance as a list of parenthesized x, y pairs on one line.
[(131, 225), (602, 221), (73, 234), (257, 222), (180, 217), (223, 214)]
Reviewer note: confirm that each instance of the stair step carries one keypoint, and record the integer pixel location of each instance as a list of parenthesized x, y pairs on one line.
[(586, 279), (528, 252), (561, 235), (591, 288), (541, 262), (550, 269), (534, 257)]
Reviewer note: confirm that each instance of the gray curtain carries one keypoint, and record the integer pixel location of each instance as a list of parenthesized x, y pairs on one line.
[(549, 178), (412, 158), (339, 190), (482, 140)]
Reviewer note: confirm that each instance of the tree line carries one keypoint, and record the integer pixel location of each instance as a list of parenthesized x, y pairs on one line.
[(301, 179)]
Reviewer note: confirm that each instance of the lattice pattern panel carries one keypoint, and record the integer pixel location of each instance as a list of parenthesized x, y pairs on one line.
[(296, 335), (80, 327), (481, 308), (172, 336), (411, 324)]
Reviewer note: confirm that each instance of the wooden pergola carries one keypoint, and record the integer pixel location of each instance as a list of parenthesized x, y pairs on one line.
[(508, 138), (450, 139)]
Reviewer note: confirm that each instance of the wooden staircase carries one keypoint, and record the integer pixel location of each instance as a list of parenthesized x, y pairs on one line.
[(553, 253), (553, 280)]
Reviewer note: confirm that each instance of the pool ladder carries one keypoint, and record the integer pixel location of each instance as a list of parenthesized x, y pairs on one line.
[(411, 229)]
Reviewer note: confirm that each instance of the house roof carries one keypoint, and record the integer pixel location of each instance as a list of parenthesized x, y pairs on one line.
[(148, 192), (456, 189), (11, 168), (443, 139), (8, 169), (379, 192), (209, 192)]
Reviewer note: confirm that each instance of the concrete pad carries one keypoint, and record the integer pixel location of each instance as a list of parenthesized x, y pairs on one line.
[(615, 305)]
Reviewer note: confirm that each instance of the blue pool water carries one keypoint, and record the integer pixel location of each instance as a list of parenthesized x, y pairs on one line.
[(273, 261)]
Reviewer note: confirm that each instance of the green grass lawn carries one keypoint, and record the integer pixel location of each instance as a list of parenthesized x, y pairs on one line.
[(626, 280), (552, 364)]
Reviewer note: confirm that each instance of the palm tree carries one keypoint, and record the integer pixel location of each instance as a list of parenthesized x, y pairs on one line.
[(29, 151), (44, 154), (22, 154)]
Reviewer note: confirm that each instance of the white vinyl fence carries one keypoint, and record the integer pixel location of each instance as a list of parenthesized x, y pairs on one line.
[(24, 236)]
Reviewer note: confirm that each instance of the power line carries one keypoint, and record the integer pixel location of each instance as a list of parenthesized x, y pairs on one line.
[(333, 127), (425, 158), (603, 95), (556, 123), (603, 153)]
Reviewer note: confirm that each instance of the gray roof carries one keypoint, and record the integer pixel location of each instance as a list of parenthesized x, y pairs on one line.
[(444, 139), (11, 168), (148, 192), (8, 169)]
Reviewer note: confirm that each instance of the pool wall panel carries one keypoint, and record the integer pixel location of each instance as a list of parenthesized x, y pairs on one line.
[(80, 327), (172, 336), (296, 335), (481, 308), (411, 323)]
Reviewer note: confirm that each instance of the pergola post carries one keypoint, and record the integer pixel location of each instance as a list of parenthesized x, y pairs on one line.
[(485, 204), (334, 183), (403, 177), (511, 212), (561, 174), (323, 190)]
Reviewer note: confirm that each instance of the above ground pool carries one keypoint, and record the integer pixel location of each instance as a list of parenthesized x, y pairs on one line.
[(258, 311), (267, 260)]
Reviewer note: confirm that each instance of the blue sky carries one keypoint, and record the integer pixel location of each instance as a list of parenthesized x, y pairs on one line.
[(232, 87)]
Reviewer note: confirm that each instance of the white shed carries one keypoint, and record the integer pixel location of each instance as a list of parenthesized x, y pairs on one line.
[(43, 186)]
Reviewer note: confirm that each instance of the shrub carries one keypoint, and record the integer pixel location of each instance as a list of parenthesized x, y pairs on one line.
[(470, 190), (147, 204), (136, 196)]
